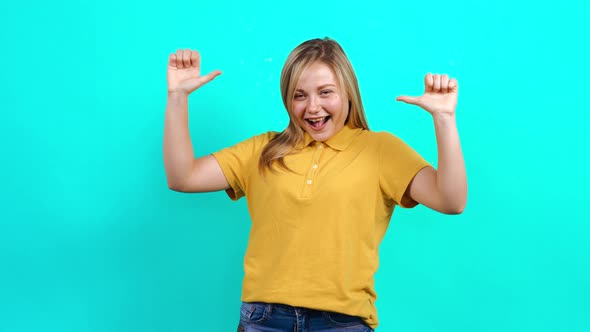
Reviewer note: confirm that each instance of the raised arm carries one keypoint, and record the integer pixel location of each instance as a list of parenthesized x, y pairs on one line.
[(445, 189), (184, 172)]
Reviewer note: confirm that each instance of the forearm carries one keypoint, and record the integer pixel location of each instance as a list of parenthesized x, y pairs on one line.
[(451, 180), (178, 149)]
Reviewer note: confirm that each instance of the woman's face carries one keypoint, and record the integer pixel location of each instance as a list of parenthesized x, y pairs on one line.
[(319, 105)]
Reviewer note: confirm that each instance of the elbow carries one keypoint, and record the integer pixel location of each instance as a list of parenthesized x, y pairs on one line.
[(175, 186), (455, 210), (455, 202), (452, 204), (455, 207), (175, 180)]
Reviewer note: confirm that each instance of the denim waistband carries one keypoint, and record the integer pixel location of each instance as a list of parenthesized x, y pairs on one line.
[(270, 307)]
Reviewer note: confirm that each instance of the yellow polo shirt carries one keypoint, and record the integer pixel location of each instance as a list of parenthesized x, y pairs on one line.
[(315, 235)]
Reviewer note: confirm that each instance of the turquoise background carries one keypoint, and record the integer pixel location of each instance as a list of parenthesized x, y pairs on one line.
[(92, 239)]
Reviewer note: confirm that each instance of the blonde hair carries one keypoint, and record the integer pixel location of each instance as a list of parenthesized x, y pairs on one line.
[(329, 52)]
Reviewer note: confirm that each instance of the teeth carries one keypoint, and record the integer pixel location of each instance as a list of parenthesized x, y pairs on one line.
[(316, 119)]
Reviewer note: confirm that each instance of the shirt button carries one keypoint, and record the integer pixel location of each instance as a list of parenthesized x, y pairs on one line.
[(314, 166), (308, 181), (320, 146)]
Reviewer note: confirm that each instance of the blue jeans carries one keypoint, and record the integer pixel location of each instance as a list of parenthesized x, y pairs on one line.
[(270, 317)]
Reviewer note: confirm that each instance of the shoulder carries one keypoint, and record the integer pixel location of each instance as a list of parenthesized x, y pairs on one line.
[(383, 135), (258, 141), (390, 145), (263, 139), (267, 136), (247, 148), (380, 137)]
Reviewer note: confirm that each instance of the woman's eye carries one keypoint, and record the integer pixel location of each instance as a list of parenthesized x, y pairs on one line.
[(325, 92), (298, 96)]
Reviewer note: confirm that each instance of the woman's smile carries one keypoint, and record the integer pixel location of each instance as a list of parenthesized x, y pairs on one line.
[(319, 105)]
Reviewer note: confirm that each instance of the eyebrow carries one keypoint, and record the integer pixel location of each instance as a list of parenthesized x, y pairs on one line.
[(320, 87)]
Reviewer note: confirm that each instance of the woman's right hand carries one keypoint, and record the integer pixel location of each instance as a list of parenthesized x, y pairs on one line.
[(184, 72)]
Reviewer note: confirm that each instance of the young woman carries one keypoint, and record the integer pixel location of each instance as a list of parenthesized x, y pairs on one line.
[(320, 193)]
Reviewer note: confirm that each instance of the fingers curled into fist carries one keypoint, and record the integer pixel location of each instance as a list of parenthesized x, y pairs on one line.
[(440, 83), (184, 59)]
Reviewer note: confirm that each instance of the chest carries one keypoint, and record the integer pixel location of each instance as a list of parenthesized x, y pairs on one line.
[(320, 174)]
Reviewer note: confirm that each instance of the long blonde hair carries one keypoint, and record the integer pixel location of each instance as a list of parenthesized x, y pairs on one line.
[(329, 52)]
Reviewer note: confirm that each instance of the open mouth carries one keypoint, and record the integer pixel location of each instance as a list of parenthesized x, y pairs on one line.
[(318, 123)]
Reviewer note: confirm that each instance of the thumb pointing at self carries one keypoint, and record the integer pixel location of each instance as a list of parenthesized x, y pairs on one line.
[(408, 99)]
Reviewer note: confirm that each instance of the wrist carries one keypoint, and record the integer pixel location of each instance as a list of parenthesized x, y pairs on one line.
[(443, 117), (177, 94), (444, 120)]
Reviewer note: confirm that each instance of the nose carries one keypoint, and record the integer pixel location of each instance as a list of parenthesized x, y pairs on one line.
[(314, 104)]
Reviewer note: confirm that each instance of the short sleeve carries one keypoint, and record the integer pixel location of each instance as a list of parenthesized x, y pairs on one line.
[(399, 163), (239, 161)]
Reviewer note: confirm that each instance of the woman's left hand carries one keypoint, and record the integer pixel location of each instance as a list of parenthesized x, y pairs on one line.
[(440, 95)]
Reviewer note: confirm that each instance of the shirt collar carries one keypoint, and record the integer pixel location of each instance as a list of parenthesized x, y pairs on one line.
[(340, 141)]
